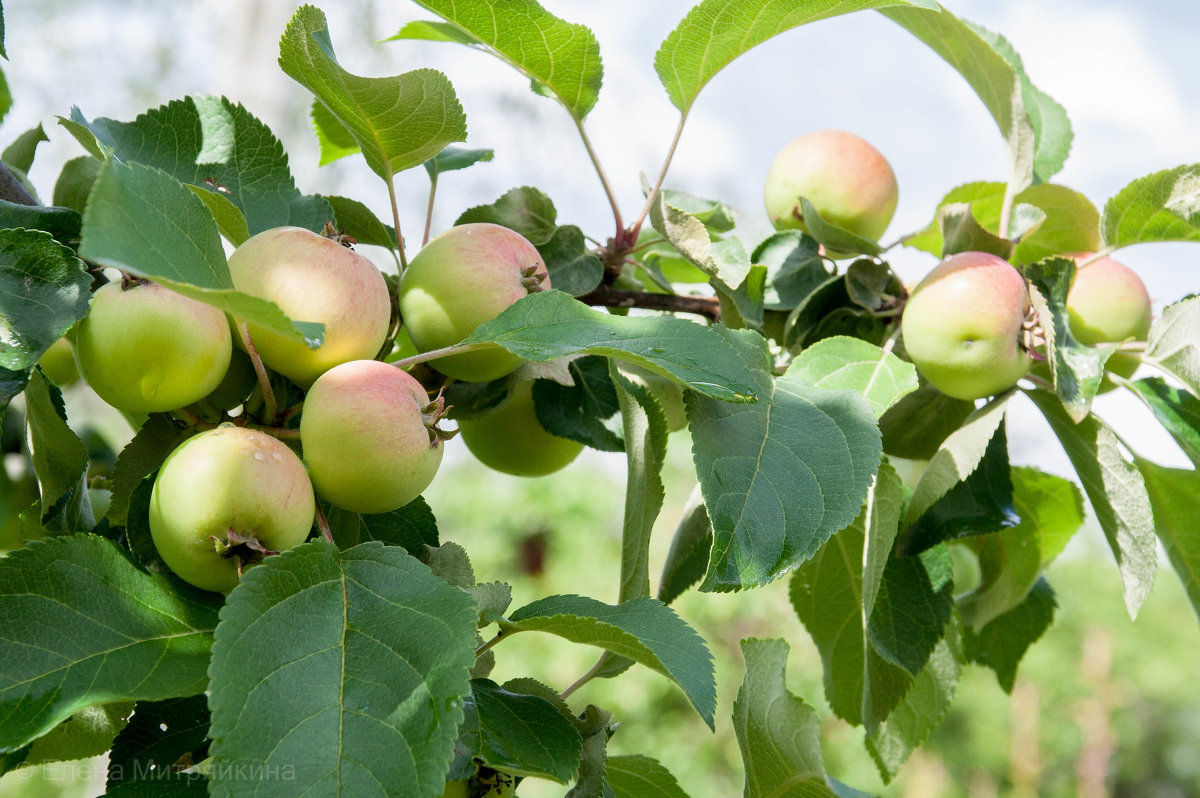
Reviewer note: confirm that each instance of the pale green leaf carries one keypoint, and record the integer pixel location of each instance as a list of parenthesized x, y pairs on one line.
[(841, 362), (1174, 342), (1164, 206), (1175, 496)]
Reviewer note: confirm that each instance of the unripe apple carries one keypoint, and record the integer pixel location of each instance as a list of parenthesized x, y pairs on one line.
[(847, 180), (512, 440), (58, 363), (313, 278), (459, 280), (369, 436), (1108, 303), (144, 348), (963, 326), (223, 499)]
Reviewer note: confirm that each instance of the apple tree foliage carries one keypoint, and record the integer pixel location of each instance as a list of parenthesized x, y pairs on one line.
[(357, 663)]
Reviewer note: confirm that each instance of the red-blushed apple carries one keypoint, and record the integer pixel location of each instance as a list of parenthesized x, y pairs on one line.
[(313, 278), (963, 326), (510, 438), (847, 180), (224, 499), (144, 348), (369, 435), (1108, 303), (459, 280)]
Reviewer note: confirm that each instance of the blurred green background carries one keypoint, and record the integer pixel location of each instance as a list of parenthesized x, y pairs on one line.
[(1102, 705)]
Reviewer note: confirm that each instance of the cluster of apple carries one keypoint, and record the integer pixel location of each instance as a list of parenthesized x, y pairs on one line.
[(968, 326), (368, 435)]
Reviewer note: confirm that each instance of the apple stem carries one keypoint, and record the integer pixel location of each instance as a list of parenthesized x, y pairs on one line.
[(192, 419), (662, 175), (323, 524), (585, 678), (608, 192), (264, 382), (391, 187), (429, 208), (486, 646)]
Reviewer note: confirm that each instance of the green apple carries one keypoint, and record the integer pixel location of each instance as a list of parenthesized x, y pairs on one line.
[(847, 180), (456, 789), (313, 278), (369, 436), (459, 280), (145, 349), (58, 363), (512, 440), (223, 499), (963, 326), (1108, 303)]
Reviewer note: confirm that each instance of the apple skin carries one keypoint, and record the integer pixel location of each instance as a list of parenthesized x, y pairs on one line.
[(58, 363), (227, 478), (1108, 303), (455, 789), (147, 349), (313, 278), (846, 179), (510, 439), (366, 437), (962, 326), (466, 276)]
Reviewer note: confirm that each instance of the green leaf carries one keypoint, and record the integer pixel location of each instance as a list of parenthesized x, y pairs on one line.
[(1010, 561), (20, 154), (687, 559), (551, 324), (644, 630), (579, 411), (522, 735), (917, 425), (795, 268), (715, 32), (1116, 491), (75, 182), (780, 475), (1072, 222), (1164, 206), (43, 292), (398, 122), (645, 428), (157, 736), (571, 266), (980, 504), (1003, 641), (87, 733), (143, 221), (140, 458), (60, 460), (6, 98), (211, 143), (412, 527), (126, 634), (364, 648), (451, 159), (360, 223), (526, 209), (919, 713), (779, 735), (636, 776), (561, 59), (595, 726), (725, 260), (450, 562), (62, 223), (1178, 411), (492, 599), (1174, 342), (713, 214), (839, 241), (335, 139), (844, 363), (913, 604), (1175, 496), (229, 219), (962, 233), (836, 592)]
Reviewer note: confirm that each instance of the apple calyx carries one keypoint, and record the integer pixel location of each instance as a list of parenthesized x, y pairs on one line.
[(130, 281), (334, 234), (1033, 335), (431, 414), (532, 279), (247, 549)]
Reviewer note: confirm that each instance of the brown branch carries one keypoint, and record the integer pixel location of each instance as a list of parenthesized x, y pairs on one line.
[(12, 190), (607, 296)]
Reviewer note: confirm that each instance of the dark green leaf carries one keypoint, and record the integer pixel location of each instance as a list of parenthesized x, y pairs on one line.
[(551, 324), (636, 776), (837, 240), (522, 735), (917, 425), (140, 458), (527, 210), (873, 286), (1002, 642), (1164, 206), (795, 268), (572, 267), (75, 182), (127, 633), (561, 59), (780, 475), (912, 607), (452, 159), (687, 560), (380, 667), (59, 458), (157, 736), (644, 630), (578, 411), (962, 233), (43, 292), (61, 223), (412, 526), (398, 122), (1175, 496), (360, 223)]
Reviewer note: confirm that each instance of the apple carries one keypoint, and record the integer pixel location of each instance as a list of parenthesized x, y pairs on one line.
[(456, 789), (1108, 303), (224, 499), (313, 278), (144, 348), (459, 280), (58, 363), (963, 326), (510, 438), (847, 180), (369, 436)]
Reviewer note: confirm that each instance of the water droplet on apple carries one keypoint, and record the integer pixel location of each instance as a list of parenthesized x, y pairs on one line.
[(259, 456)]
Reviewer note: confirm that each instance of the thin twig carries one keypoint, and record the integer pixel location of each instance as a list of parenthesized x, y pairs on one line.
[(662, 175), (433, 354), (486, 646), (12, 190), (323, 524), (608, 192), (607, 296), (391, 187), (585, 678), (429, 209), (264, 381)]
